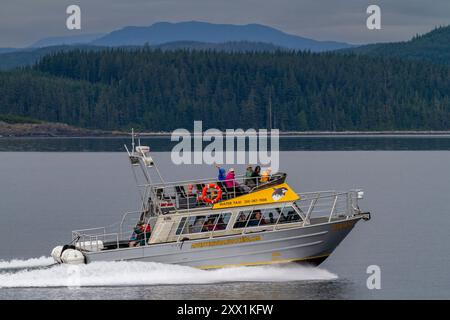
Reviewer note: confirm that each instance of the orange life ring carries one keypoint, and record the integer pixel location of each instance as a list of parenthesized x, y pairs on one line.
[(204, 198)]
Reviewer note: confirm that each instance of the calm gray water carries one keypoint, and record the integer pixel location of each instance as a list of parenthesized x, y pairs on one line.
[(44, 195)]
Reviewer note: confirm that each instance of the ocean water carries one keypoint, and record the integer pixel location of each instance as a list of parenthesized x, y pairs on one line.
[(45, 195)]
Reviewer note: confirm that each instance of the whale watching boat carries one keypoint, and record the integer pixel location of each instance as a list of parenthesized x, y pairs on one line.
[(205, 224)]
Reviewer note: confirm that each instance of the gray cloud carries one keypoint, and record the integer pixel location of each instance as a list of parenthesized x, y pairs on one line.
[(23, 22)]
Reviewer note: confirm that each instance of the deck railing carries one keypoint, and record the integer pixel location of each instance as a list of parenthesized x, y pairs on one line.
[(113, 234), (327, 204), (176, 196)]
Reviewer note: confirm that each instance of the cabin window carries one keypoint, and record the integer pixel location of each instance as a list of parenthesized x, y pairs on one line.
[(181, 225), (270, 216), (261, 217), (289, 215), (241, 221), (249, 219), (223, 221), (255, 219), (210, 222), (204, 223), (195, 224)]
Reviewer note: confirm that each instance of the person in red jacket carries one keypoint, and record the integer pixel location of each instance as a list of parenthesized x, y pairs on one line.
[(141, 234)]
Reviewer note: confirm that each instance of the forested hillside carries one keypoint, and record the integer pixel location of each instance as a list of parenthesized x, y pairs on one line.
[(15, 58), (159, 91), (433, 47)]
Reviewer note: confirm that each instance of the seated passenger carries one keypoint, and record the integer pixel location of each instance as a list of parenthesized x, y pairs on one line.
[(140, 236), (232, 185), (147, 232), (271, 219), (220, 224), (134, 237), (265, 176), (190, 190), (242, 219), (198, 225), (261, 217), (255, 219), (209, 225), (292, 216), (282, 218)]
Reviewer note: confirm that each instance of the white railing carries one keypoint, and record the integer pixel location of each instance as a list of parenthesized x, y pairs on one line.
[(173, 196), (94, 238), (328, 204)]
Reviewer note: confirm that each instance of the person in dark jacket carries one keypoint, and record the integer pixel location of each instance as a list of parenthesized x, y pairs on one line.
[(256, 175), (241, 221), (255, 219)]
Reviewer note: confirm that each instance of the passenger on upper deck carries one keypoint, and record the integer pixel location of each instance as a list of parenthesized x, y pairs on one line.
[(221, 175), (256, 175), (232, 185), (229, 179), (248, 177), (265, 176)]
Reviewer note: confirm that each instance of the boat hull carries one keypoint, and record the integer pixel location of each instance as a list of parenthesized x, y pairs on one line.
[(310, 244)]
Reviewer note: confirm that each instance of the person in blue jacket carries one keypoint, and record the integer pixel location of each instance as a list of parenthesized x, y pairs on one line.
[(222, 173)]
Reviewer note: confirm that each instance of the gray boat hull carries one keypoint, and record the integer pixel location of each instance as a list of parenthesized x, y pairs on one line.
[(309, 244)]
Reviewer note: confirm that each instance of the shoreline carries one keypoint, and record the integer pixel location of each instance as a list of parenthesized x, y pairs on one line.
[(325, 133), (117, 134), (62, 130)]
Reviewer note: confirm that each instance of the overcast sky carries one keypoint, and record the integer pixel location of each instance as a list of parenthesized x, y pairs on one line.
[(23, 22)]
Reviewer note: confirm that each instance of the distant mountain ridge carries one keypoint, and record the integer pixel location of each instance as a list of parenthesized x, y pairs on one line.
[(68, 40), (433, 46), (6, 50), (192, 35), (163, 32)]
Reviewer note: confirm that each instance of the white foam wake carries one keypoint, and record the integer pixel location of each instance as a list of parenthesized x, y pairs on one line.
[(149, 273), (28, 263)]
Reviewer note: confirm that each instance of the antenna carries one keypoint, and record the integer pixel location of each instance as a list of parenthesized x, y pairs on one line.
[(132, 140), (270, 108)]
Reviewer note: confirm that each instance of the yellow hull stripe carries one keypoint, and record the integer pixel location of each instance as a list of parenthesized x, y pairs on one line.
[(261, 263), (214, 243)]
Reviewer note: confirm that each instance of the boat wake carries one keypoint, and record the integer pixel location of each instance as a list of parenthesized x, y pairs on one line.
[(16, 264), (108, 274)]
